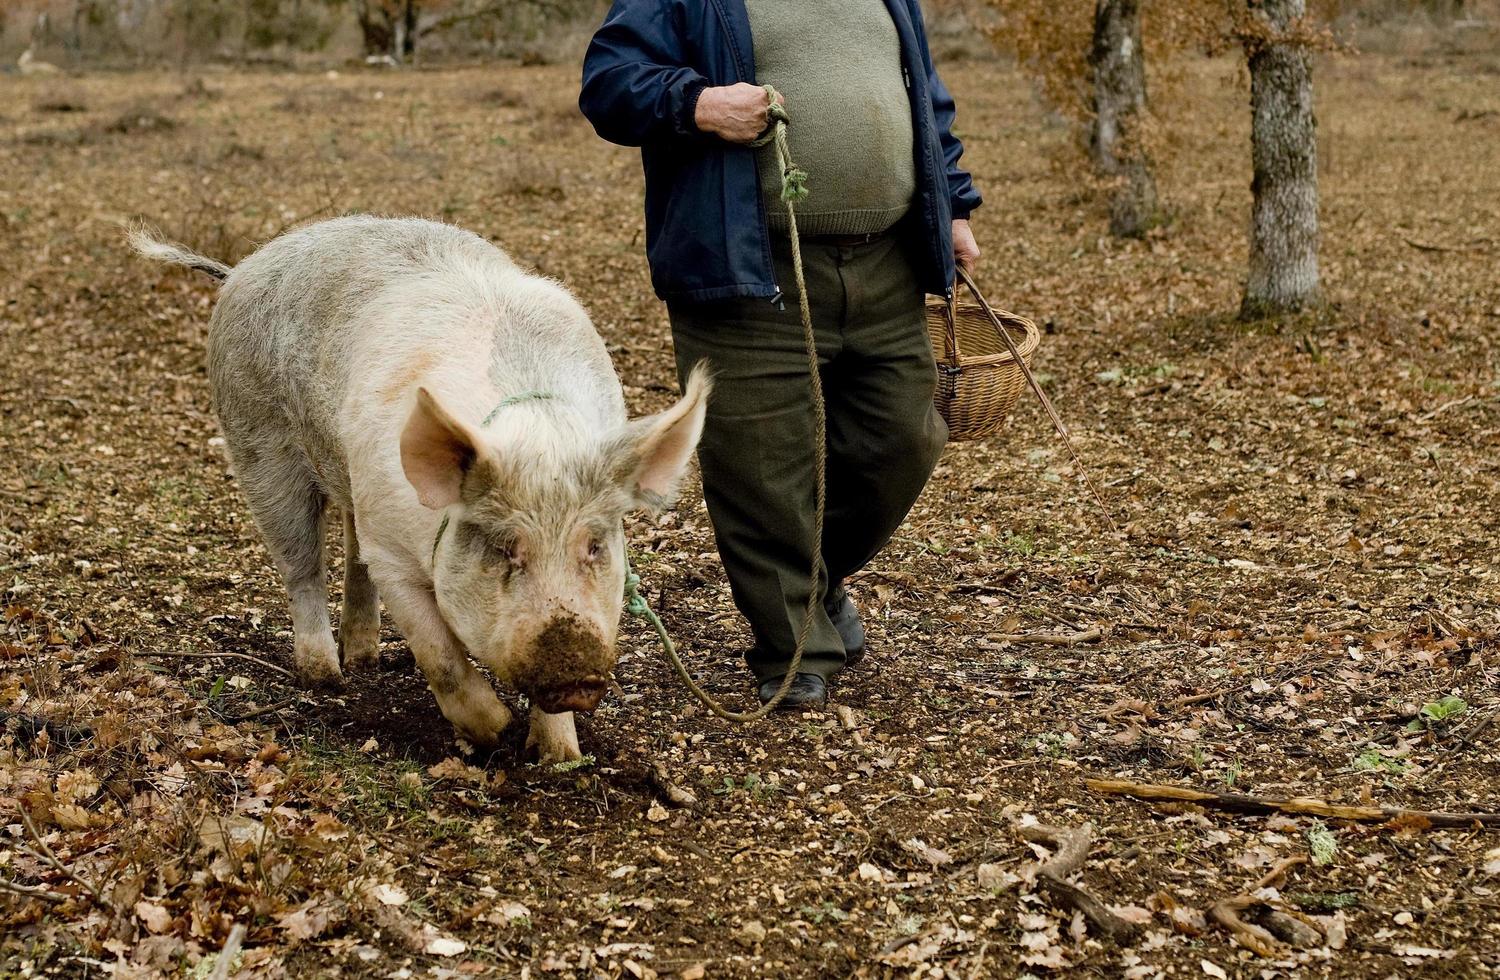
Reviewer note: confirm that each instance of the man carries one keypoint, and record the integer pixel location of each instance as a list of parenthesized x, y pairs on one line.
[(886, 220)]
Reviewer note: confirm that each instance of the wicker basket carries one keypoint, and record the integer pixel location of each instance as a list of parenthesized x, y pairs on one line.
[(979, 379)]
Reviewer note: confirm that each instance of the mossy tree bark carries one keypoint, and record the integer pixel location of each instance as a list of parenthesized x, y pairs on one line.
[(1117, 140), (1284, 218)]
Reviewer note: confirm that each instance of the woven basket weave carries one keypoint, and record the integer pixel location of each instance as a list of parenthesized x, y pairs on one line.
[(979, 380)]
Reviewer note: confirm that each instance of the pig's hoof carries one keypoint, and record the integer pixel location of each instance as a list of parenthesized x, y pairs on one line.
[(360, 651), (482, 724), (553, 738), (318, 665)]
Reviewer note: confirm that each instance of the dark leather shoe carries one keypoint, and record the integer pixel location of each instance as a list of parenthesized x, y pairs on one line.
[(840, 609), (807, 691)]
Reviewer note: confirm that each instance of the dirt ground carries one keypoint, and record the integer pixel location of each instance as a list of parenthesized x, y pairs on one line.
[(1302, 597)]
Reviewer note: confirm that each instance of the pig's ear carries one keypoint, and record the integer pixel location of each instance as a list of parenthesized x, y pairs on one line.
[(655, 450), (437, 452)]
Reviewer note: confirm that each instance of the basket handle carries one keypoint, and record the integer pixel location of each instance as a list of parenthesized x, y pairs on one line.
[(1041, 395), (950, 331)]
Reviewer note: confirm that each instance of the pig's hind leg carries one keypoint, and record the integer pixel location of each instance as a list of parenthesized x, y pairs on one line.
[(464, 695), (289, 506), (359, 625)]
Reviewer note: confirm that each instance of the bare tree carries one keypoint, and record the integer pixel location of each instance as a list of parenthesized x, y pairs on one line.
[(388, 27), (1284, 217), (1116, 139)]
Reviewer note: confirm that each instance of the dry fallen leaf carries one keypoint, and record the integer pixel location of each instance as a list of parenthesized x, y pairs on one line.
[(156, 918), (444, 946)]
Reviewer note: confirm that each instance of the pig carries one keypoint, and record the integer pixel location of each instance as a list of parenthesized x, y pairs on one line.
[(465, 418)]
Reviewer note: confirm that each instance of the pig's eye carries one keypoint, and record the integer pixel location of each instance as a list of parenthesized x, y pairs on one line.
[(596, 549), (505, 552)]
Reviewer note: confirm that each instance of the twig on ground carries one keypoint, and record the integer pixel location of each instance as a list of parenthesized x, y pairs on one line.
[(1071, 849), (192, 655), (1476, 245), (223, 964), (257, 713), (1226, 913), (50, 857), (1444, 407), (30, 891), (1193, 699), (1049, 639), (30, 727), (1302, 805), (1474, 732), (662, 780), (1279, 870)]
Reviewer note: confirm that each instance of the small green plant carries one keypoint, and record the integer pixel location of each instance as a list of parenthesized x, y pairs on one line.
[(572, 764), (1324, 901), (1372, 761), (825, 911), (1231, 775), (1323, 844), (1054, 745), (1435, 714)]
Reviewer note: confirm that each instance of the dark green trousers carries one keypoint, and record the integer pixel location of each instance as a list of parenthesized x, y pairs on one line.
[(757, 452)]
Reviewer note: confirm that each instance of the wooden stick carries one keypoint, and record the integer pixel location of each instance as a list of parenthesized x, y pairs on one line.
[(222, 965), (1302, 805), (1071, 850), (215, 656), (1227, 914), (51, 858), (1050, 639), (28, 891), (1272, 877)]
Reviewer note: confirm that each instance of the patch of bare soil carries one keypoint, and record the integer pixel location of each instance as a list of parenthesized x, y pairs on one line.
[(1301, 599)]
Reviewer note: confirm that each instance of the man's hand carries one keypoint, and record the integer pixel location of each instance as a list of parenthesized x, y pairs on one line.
[(737, 113), (965, 248)]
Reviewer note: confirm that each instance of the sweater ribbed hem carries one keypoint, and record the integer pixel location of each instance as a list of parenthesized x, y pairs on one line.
[(872, 221)]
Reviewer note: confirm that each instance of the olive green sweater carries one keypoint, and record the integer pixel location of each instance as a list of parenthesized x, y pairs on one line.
[(838, 65)]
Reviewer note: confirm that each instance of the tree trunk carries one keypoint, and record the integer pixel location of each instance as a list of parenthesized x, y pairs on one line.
[(409, 31), (1117, 142), (1284, 219), (374, 27)]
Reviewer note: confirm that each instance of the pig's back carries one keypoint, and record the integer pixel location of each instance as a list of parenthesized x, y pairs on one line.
[(347, 315)]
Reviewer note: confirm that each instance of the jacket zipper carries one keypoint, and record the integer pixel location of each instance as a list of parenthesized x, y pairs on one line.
[(765, 234)]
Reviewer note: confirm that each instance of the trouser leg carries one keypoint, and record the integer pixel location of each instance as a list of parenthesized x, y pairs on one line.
[(884, 435), (757, 459)]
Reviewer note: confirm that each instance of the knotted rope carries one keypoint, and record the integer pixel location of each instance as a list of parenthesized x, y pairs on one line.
[(793, 189)]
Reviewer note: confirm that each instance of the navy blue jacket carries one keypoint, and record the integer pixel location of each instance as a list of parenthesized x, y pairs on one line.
[(706, 235)]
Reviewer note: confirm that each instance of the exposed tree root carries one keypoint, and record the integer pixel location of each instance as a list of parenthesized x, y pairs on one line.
[(1226, 913), (1301, 805), (1071, 849)]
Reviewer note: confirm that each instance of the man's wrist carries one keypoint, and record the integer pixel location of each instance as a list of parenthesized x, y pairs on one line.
[(705, 111)]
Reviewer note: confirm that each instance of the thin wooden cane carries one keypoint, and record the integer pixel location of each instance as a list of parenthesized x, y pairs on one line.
[(1036, 388)]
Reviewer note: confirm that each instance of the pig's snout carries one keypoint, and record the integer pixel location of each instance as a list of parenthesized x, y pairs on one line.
[(581, 695), (569, 667)]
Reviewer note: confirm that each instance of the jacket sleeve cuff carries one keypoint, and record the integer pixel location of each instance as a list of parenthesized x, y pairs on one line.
[(687, 117)]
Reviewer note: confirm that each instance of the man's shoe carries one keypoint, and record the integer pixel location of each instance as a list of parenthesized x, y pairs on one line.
[(807, 691), (840, 609)]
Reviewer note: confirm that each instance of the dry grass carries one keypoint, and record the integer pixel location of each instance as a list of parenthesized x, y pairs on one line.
[(1309, 513)]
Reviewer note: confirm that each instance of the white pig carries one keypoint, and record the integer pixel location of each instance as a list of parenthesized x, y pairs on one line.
[(465, 418)]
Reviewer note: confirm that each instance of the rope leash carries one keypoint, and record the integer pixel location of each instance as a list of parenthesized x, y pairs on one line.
[(793, 189)]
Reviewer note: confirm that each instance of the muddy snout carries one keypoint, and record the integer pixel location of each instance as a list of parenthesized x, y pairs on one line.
[(570, 666)]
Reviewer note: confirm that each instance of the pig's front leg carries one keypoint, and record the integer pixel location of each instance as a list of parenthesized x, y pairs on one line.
[(553, 737), (463, 693)]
